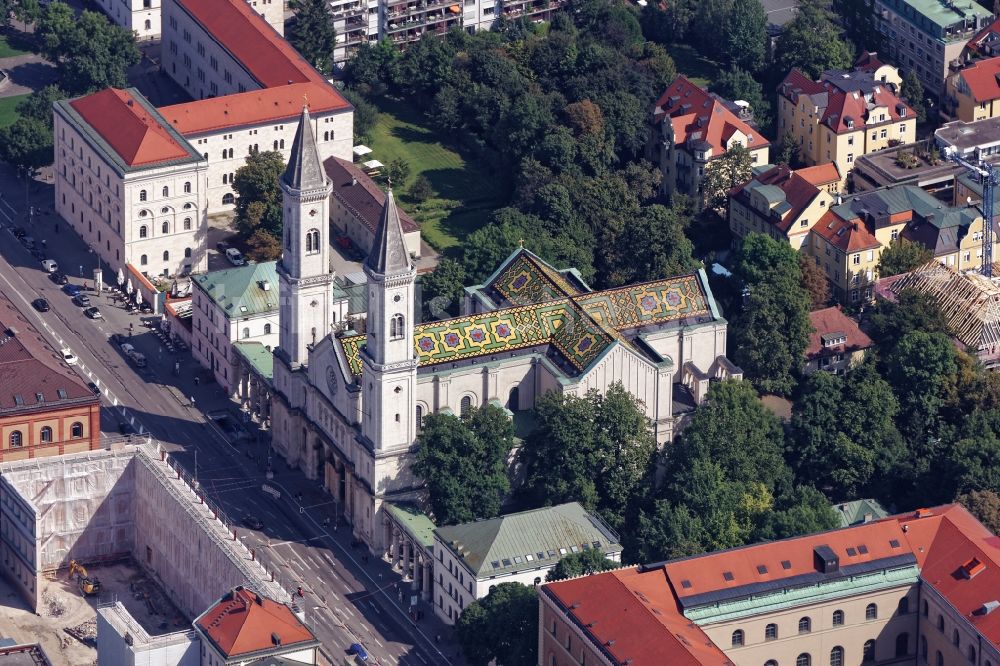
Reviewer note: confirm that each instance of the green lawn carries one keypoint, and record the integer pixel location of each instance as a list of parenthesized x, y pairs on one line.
[(465, 193), (700, 70), (7, 113), (12, 44)]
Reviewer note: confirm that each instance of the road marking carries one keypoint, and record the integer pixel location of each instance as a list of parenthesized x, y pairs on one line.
[(419, 656), (374, 607)]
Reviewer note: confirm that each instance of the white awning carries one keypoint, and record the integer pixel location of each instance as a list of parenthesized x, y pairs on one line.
[(360, 150), (372, 164)]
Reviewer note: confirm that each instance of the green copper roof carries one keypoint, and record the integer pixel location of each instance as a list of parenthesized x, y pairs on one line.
[(948, 14), (858, 511), (260, 358), (242, 291), (527, 540), (414, 521)]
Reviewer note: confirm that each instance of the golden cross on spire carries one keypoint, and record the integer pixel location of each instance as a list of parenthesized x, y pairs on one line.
[(305, 100), (520, 242)]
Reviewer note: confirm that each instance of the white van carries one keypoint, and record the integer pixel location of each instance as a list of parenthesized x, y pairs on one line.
[(234, 257)]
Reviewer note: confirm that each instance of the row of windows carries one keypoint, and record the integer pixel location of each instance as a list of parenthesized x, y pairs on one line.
[(837, 653), (805, 623), (16, 438), (164, 228), (143, 195), (144, 259), (246, 330)]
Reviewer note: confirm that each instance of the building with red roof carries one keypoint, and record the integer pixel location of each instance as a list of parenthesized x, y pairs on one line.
[(836, 343), (973, 93), (143, 16), (691, 128), (845, 114), (244, 627), (915, 588)]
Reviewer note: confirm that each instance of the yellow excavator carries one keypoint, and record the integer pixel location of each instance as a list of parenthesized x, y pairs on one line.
[(88, 585)]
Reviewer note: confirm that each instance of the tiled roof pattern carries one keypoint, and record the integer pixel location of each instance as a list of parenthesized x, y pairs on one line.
[(135, 133), (580, 327), (695, 114), (796, 190), (837, 107), (242, 623), (846, 235), (359, 194), (523, 540), (833, 320), (981, 77), (820, 174)]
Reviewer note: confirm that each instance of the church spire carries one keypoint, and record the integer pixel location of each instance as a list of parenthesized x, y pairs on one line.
[(305, 169), (388, 254)]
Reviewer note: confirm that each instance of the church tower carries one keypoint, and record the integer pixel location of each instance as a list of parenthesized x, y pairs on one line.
[(390, 365), (306, 283)]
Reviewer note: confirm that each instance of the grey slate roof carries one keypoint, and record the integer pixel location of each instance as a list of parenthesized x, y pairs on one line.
[(388, 255), (305, 170), (527, 540)]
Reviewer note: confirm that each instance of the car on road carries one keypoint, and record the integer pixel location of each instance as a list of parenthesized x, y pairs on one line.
[(19, 232), (222, 246), (40, 304), (92, 312), (127, 348), (235, 257), (72, 289), (50, 266), (68, 356), (117, 338), (28, 242), (358, 650), (59, 278), (253, 522), (94, 387), (82, 300)]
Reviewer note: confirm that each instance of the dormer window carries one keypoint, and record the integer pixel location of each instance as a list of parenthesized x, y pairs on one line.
[(850, 124), (833, 339), (902, 112)]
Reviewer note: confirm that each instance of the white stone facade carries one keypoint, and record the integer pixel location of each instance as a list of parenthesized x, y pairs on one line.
[(143, 16)]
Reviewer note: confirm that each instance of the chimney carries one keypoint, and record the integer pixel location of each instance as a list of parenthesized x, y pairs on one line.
[(825, 560), (259, 599), (354, 181), (275, 638), (988, 607), (129, 102)]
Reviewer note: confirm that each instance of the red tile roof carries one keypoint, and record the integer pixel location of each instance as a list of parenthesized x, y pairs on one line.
[(868, 61), (252, 108), (29, 365), (833, 320), (821, 174), (635, 617), (845, 235), (125, 124), (988, 34), (981, 77), (355, 190), (696, 114), (799, 193), (945, 539), (243, 623), (836, 106)]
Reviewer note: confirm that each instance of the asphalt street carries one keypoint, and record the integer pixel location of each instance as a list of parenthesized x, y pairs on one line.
[(347, 598)]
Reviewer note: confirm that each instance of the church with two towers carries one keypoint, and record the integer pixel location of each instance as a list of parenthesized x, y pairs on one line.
[(347, 408)]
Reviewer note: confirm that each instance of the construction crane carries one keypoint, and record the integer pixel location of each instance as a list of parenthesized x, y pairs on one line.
[(988, 177), (87, 584)]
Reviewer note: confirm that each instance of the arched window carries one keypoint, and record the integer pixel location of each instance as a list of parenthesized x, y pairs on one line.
[(164, 210), (771, 632), (902, 644), (143, 213), (738, 638), (869, 650), (187, 224), (923, 648), (143, 260), (46, 434), (420, 416), (312, 241), (941, 623), (228, 199), (465, 405), (15, 439), (396, 327), (871, 612), (188, 206), (923, 607), (76, 430), (267, 329), (805, 625), (165, 227), (149, 24), (143, 231), (514, 399), (187, 188), (166, 191), (166, 255), (246, 332), (803, 659), (275, 144), (904, 605), (281, 143), (187, 253), (770, 662), (837, 656), (142, 195), (939, 659), (838, 618), (955, 640)]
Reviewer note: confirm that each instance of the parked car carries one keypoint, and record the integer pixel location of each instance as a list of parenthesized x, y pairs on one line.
[(50, 266), (117, 338), (40, 304), (82, 300), (222, 246), (253, 522), (127, 348), (72, 289), (59, 278), (358, 650), (68, 356), (92, 312), (19, 232), (94, 387), (235, 257), (28, 242)]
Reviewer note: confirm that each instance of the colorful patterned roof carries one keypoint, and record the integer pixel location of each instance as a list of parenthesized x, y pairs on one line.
[(548, 310)]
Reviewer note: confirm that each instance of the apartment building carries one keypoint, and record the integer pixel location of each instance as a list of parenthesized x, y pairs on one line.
[(143, 16), (691, 127), (129, 185), (249, 85), (238, 304), (926, 36), (836, 343), (473, 558), (911, 589), (843, 115), (979, 140), (973, 93), (782, 203)]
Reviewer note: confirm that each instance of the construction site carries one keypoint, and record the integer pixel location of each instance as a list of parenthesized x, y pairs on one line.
[(118, 529)]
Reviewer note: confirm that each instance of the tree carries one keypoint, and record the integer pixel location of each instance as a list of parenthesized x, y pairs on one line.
[(902, 256), (263, 246), (441, 290), (771, 330), (735, 83), (502, 626), (788, 150), (396, 171), (580, 564), (365, 114), (913, 92), (258, 194), (889, 322), (421, 189), (744, 35), (463, 461), (654, 246), (312, 33), (811, 43), (984, 505), (856, 16), (373, 65), (27, 144), (733, 168), (815, 282)]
